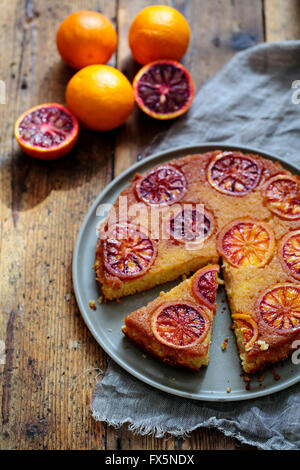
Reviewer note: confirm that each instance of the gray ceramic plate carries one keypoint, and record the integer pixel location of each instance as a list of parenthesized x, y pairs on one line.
[(105, 322)]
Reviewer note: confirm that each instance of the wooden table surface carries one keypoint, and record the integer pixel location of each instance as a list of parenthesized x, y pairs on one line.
[(52, 361)]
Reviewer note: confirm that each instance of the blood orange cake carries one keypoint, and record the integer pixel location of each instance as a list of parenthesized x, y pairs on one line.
[(176, 327), (235, 207)]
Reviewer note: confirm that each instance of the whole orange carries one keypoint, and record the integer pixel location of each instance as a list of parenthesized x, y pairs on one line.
[(158, 32), (100, 96), (85, 38)]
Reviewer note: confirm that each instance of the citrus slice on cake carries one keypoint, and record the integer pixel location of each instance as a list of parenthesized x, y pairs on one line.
[(233, 173), (246, 242), (128, 252), (279, 308), (281, 195), (163, 186), (190, 224), (289, 253), (204, 286), (248, 328), (180, 324)]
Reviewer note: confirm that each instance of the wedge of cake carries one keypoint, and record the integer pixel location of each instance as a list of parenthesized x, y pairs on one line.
[(176, 327), (261, 275)]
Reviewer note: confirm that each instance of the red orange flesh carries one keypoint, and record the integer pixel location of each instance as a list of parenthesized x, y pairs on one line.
[(164, 89), (47, 131)]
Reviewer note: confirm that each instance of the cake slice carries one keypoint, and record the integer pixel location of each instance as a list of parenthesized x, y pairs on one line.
[(263, 290), (176, 327)]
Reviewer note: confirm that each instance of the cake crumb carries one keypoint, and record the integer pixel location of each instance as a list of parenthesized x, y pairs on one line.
[(246, 378), (263, 346), (261, 377), (275, 375), (247, 386), (144, 356), (231, 327), (228, 390), (183, 277), (118, 301), (225, 344), (92, 305), (173, 379), (100, 300)]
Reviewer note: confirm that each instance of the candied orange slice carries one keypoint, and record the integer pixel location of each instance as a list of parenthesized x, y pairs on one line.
[(279, 307), (281, 195), (190, 224), (180, 324), (289, 253), (205, 284), (246, 242), (233, 173), (248, 327), (127, 252), (163, 186)]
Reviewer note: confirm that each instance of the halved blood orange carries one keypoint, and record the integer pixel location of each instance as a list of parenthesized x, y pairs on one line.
[(163, 186), (190, 225), (234, 173), (47, 131), (180, 324), (248, 327), (246, 242), (205, 285), (279, 308), (164, 89), (289, 253), (128, 253), (281, 195)]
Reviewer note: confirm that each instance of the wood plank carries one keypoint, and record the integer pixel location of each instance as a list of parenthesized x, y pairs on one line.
[(282, 20), (220, 28), (44, 390)]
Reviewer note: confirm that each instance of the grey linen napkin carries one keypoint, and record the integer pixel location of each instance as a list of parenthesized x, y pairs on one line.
[(250, 101)]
